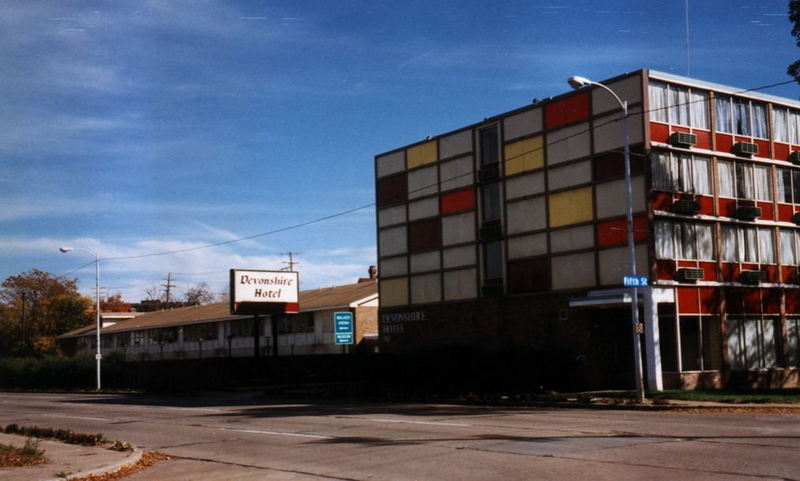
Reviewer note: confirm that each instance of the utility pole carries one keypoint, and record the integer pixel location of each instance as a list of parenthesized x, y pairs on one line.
[(291, 262), (168, 287)]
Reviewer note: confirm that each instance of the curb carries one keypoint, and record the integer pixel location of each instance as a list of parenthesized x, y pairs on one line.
[(133, 458)]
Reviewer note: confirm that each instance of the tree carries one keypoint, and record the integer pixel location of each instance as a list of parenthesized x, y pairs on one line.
[(114, 304), (37, 306), (794, 17), (199, 294)]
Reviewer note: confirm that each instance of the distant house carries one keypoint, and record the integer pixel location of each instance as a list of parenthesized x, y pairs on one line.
[(211, 331)]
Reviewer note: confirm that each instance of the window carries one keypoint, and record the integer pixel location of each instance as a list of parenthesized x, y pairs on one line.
[(740, 116), (700, 343), (197, 332), (678, 105), (240, 328), (790, 241), (295, 323), (789, 186), (678, 172), (490, 199), (137, 338), (793, 338), (682, 240), (493, 260), (164, 335), (747, 244), (745, 180), (490, 149), (752, 343)]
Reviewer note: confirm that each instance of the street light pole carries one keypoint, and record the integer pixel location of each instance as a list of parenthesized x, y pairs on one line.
[(580, 82), (98, 356)]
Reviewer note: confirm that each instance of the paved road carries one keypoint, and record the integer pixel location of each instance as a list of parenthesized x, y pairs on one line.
[(238, 437)]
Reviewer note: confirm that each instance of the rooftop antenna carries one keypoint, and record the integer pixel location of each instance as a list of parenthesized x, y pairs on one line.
[(686, 8)]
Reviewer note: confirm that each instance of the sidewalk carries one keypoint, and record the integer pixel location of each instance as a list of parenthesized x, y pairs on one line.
[(67, 461)]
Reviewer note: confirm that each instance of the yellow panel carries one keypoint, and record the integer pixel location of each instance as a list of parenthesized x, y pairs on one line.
[(421, 154), (524, 155), (394, 292), (570, 207)]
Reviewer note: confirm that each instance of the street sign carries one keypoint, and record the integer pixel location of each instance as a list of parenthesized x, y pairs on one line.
[(343, 327), (635, 281)]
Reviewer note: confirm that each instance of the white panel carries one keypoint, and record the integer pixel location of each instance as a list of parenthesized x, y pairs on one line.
[(460, 284), (610, 197), (629, 89), (423, 182), (458, 256), (457, 173), (524, 123), (525, 185), (394, 266), (392, 241), (608, 130), (526, 215), (428, 261), (572, 271), (390, 163), (613, 264), (527, 246), (572, 239), (573, 174), (456, 144), (423, 208), (427, 288), (391, 216), (568, 143), (458, 228)]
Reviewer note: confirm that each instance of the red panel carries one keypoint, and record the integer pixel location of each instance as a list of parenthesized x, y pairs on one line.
[(750, 267), (785, 212), (738, 138), (781, 151), (724, 142), (659, 132), (614, 232), (792, 299), (709, 300), (662, 200), (706, 204), (730, 272), (458, 201), (727, 207), (772, 272), (766, 210), (292, 308), (567, 110), (771, 301), (709, 270), (763, 147), (789, 274), (692, 264), (752, 301), (688, 300), (665, 269), (733, 300), (677, 128), (703, 139)]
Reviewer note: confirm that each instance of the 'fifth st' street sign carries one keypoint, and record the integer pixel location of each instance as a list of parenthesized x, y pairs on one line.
[(635, 281)]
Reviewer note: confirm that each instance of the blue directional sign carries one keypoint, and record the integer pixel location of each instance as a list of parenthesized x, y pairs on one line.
[(343, 327), (635, 281)]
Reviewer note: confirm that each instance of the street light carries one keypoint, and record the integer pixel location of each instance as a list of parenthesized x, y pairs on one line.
[(577, 82), (97, 356)]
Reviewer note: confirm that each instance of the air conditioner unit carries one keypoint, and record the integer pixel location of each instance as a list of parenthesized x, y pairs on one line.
[(492, 290), (745, 148), (685, 207), (689, 275), (748, 213), (491, 233), (488, 173), (796, 218), (794, 157), (682, 139), (751, 277)]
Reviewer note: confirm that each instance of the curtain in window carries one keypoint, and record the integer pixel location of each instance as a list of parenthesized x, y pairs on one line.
[(689, 240), (760, 121), (788, 248), (762, 183), (748, 244), (665, 241), (658, 101), (780, 124), (735, 350), (793, 337), (705, 242), (722, 113), (794, 127), (679, 105), (685, 183), (726, 177), (729, 242), (744, 181), (702, 175), (784, 193), (662, 174), (766, 247), (769, 346), (796, 185), (741, 116), (699, 109), (752, 343)]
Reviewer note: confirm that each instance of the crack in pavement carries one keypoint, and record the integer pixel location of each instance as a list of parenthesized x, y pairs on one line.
[(264, 468)]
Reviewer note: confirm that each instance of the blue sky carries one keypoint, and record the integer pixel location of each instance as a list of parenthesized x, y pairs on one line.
[(132, 128)]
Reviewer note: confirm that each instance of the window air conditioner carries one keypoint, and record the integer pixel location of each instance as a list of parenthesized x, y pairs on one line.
[(491, 233), (745, 148), (682, 139), (689, 275), (747, 212), (685, 207), (488, 173), (751, 277), (796, 218), (492, 290), (794, 157)]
